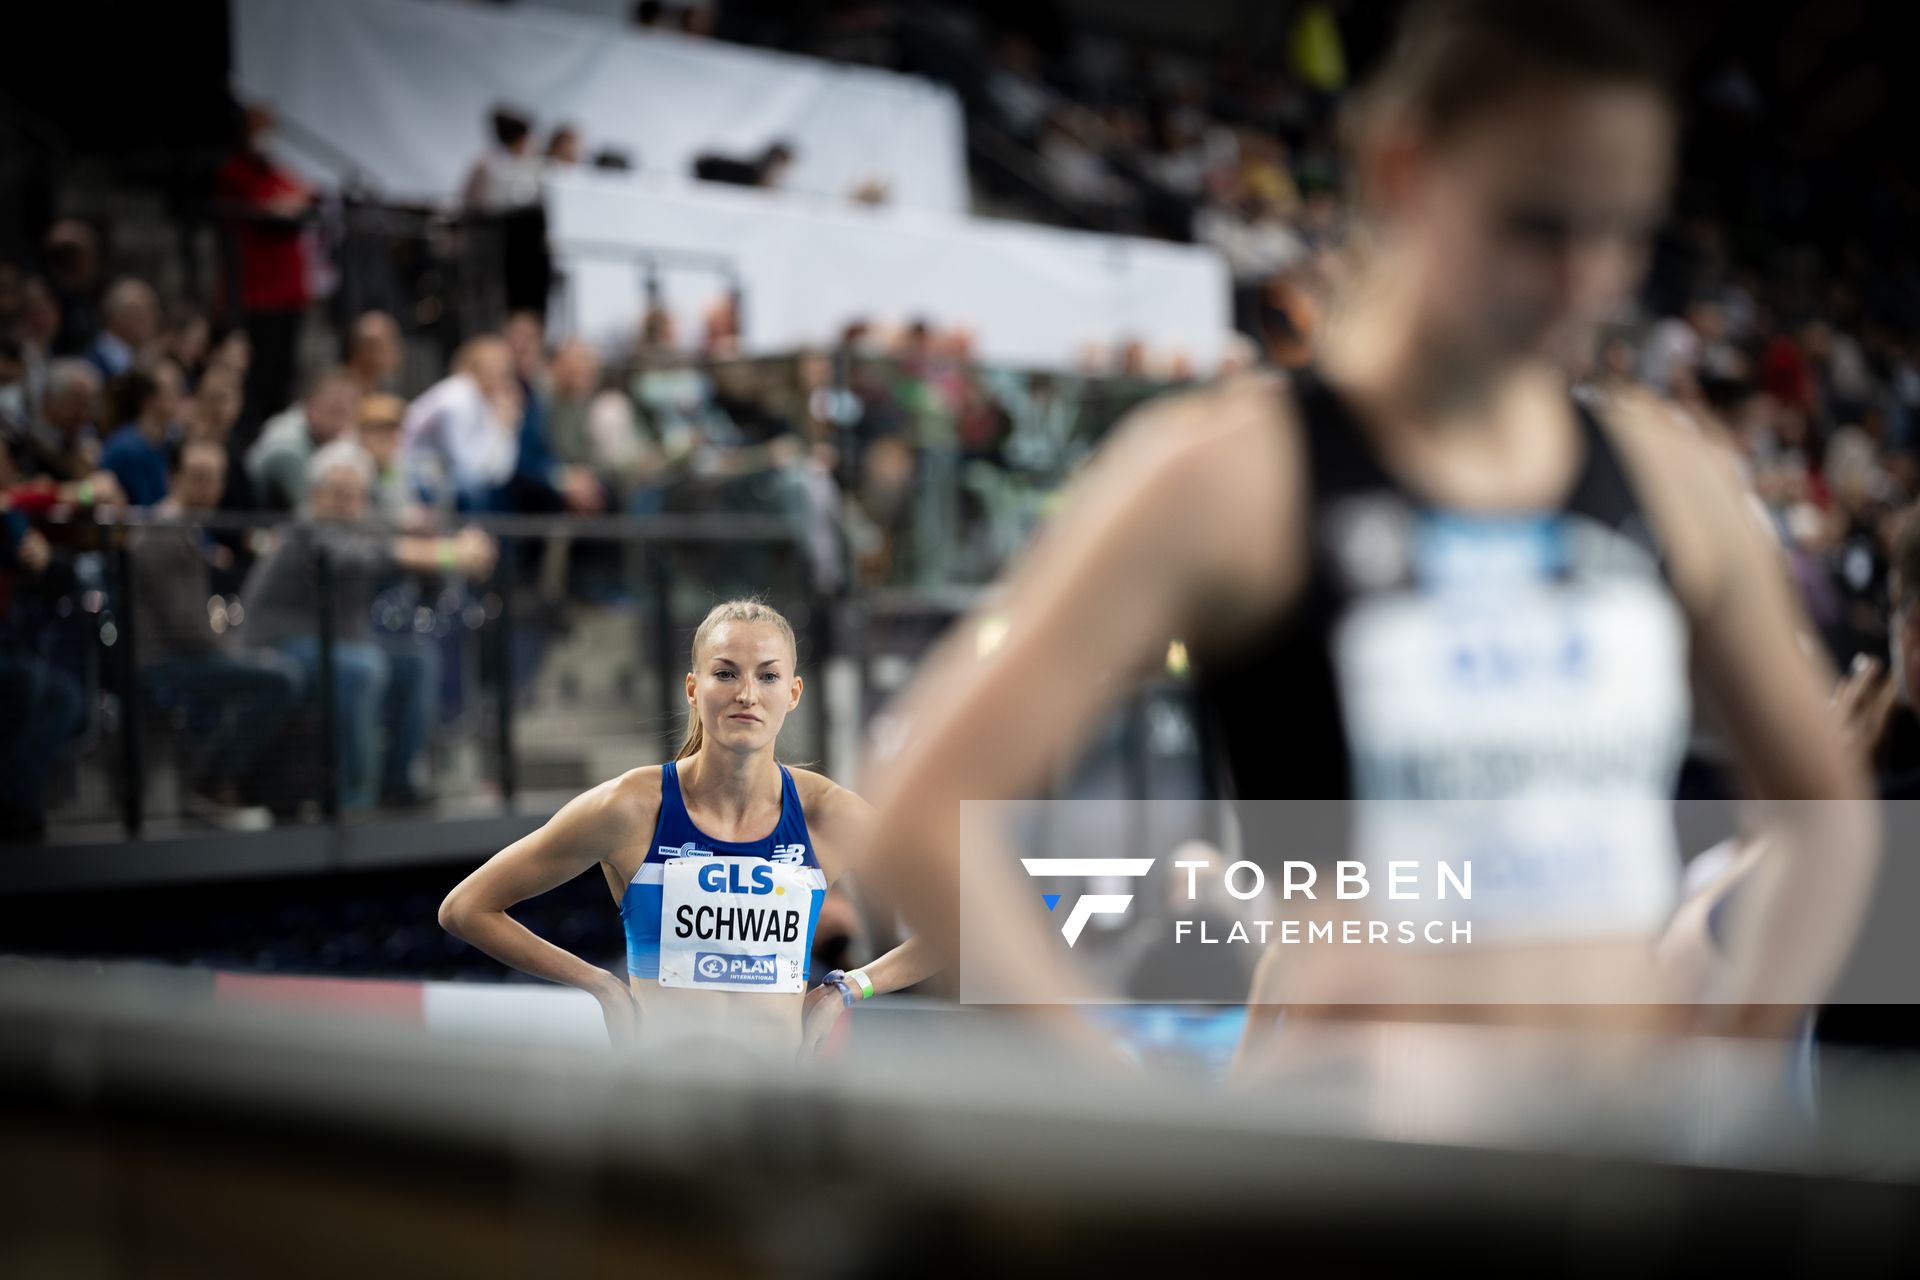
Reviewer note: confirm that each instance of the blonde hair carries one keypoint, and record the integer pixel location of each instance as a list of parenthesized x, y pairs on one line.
[(745, 610)]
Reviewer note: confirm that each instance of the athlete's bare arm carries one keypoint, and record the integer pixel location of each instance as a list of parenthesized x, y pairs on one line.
[(1190, 514), (838, 819), (841, 823), (593, 828), (1800, 909)]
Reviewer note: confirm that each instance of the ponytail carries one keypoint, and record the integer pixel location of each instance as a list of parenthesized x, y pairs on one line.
[(695, 734)]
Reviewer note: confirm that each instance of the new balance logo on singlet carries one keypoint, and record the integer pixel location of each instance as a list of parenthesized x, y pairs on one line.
[(790, 853)]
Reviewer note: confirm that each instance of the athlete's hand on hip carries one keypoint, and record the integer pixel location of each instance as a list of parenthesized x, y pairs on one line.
[(818, 1014), (618, 1008)]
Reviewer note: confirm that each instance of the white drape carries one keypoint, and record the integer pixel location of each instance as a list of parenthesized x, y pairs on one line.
[(1033, 296), (403, 87)]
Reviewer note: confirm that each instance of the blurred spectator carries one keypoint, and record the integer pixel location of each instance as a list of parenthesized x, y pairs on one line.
[(146, 402), (374, 687), (42, 711), (16, 401), (871, 191), (38, 330), (212, 410), (506, 176), (71, 253), (233, 353), (1895, 737), (277, 463), (1265, 177), (875, 514), (268, 206), (460, 439), (1861, 505), (540, 482), (211, 413), (1016, 89), (1848, 382), (64, 442), (375, 352), (1257, 243), (393, 499), (593, 428), (563, 147), (188, 341), (1070, 157), (1675, 349), (504, 187), (131, 317), (768, 169), (229, 702)]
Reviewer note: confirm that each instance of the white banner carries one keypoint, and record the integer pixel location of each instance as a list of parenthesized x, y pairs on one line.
[(404, 87), (1033, 296)]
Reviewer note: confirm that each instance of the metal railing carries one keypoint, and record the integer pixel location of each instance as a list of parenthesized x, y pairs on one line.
[(489, 641)]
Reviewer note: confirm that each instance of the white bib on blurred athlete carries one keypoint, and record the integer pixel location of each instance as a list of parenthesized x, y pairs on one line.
[(1524, 724), (1501, 695), (734, 924)]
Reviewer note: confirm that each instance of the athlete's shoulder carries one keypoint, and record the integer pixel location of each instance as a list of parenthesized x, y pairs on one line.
[(817, 791), (1230, 448), (1205, 424), (1211, 482), (1642, 422), (839, 821), (1688, 481), (634, 794)]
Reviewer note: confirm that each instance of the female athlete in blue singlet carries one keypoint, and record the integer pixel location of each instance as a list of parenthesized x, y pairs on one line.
[(719, 860)]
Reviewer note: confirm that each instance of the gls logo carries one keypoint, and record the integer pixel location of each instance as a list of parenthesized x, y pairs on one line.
[(1090, 904), (725, 877)]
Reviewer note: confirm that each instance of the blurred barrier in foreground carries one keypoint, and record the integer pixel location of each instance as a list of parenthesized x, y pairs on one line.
[(149, 1127)]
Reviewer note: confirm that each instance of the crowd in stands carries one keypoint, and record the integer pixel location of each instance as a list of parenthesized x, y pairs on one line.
[(897, 458), (1782, 312), (151, 415)]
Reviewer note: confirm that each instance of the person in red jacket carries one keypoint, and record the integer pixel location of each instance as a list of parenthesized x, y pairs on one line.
[(268, 206)]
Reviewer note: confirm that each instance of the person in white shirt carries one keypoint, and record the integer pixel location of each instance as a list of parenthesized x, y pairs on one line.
[(461, 436)]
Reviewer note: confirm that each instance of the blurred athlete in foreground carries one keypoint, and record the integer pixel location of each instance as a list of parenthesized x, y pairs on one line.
[(1419, 574), (719, 861)]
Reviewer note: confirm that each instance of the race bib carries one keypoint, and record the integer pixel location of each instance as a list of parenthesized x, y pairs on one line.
[(1533, 736), (734, 924)]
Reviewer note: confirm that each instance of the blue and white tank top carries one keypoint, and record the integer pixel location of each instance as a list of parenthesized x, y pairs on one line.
[(675, 836)]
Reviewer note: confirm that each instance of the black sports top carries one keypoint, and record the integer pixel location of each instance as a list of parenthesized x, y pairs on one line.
[(1531, 666)]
